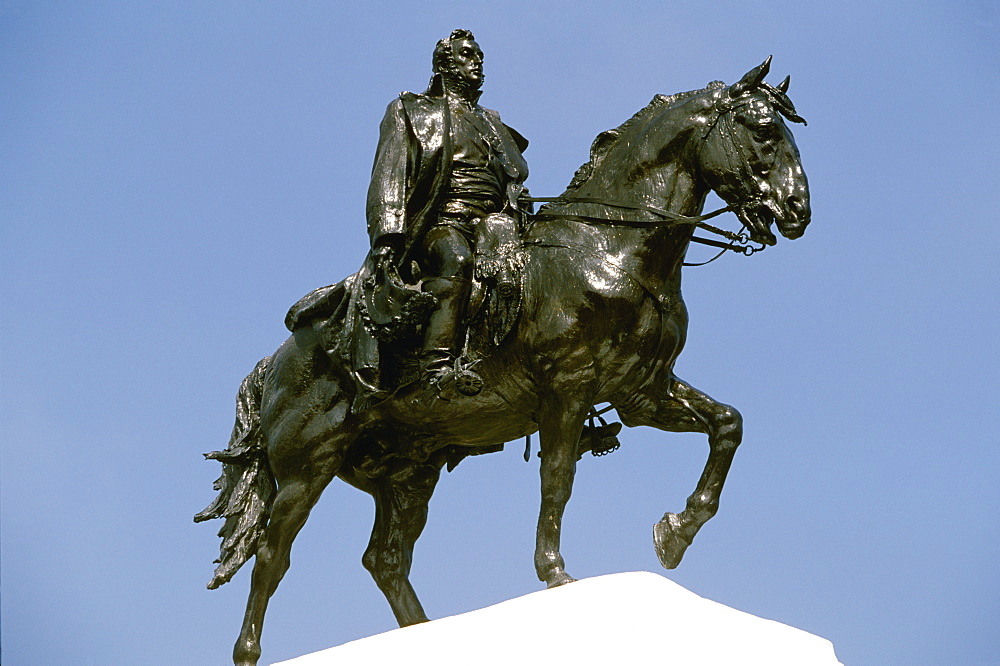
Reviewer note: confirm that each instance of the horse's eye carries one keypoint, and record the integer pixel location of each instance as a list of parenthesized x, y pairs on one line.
[(764, 127)]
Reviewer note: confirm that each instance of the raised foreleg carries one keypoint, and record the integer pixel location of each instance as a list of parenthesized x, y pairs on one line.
[(686, 409)]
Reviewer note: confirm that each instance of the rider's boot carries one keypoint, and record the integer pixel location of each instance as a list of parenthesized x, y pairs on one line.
[(444, 334)]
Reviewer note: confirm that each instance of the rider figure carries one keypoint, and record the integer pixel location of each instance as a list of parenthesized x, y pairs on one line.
[(442, 164)]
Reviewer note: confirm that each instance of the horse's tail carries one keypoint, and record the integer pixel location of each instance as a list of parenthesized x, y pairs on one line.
[(246, 487)]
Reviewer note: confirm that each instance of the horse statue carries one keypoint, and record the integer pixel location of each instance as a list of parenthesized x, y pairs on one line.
[(601, 321)]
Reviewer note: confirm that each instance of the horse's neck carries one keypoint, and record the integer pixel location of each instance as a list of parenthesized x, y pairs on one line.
[(655, 252)]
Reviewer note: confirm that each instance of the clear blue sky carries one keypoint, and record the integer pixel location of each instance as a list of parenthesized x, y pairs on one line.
[(174, 175)]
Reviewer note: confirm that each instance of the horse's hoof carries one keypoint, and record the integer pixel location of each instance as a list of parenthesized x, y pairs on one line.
[(558, 579), (670, 544)]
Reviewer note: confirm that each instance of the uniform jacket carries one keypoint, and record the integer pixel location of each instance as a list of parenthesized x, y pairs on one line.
[(413, 165)]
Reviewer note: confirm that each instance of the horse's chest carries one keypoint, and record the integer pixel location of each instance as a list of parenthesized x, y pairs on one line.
[(610, 334)]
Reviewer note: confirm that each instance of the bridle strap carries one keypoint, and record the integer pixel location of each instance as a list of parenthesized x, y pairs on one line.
[(675, 218), (737, 241), (737, 162)]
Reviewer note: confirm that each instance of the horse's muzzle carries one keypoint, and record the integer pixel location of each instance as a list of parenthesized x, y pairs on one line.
[(796, 217)]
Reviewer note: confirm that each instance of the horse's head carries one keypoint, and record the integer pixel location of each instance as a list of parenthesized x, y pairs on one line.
[(750, 159)]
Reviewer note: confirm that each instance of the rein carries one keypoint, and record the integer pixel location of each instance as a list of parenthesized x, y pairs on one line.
[(737, 160), (738, 242), (676, 218)]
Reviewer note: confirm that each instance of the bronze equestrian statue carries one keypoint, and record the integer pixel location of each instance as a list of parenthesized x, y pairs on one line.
[(592, 313)]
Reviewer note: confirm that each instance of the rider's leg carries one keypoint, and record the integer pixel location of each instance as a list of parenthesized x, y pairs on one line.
[(448, 259), (444, 332)]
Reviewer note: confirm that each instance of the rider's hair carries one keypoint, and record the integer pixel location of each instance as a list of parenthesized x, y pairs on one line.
[(442, 52)]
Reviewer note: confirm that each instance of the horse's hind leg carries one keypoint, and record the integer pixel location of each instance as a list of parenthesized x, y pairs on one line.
[(297, 494), (686, 409), (401, 499)]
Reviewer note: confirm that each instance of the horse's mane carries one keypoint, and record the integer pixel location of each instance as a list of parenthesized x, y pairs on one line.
[(607, 139)]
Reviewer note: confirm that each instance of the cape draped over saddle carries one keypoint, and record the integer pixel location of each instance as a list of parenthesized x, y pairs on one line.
[(374, 308)]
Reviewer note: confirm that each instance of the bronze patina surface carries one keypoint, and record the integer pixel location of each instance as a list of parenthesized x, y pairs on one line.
[(473, 322)]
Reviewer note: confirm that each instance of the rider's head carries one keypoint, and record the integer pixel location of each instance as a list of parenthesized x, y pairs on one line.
[(459, 60)]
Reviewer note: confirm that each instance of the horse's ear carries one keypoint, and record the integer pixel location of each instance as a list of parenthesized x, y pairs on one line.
[(751, 79), (783, 86)]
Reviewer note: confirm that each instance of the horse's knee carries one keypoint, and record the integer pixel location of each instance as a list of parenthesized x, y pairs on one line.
[(728, 426), (730, 417)]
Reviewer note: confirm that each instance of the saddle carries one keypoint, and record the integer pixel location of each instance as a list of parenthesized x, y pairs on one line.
[(374, 316)]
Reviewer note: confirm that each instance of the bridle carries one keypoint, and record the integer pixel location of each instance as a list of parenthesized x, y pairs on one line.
[(737, 161), (738, 242)]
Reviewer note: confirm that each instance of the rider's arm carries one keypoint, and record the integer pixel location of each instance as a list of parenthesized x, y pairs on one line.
[(386, 210)]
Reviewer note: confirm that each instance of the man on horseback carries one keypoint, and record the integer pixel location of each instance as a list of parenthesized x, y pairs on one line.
[(443, 164), (603, 322)]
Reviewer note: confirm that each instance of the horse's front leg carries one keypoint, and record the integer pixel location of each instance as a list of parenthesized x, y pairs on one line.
[(560, 424), (686, 409)]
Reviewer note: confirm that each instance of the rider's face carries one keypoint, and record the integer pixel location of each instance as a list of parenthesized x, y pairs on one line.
[(467, 58)]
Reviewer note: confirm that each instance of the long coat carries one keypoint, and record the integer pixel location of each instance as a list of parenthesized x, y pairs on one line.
[(413, 165)]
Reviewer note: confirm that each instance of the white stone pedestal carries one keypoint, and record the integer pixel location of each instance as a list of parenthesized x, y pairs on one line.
[(630, 618)]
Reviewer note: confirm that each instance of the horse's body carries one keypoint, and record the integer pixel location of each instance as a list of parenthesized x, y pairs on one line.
[(602, 322)]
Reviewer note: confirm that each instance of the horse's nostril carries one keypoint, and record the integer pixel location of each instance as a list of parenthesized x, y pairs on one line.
[(795, 204)]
